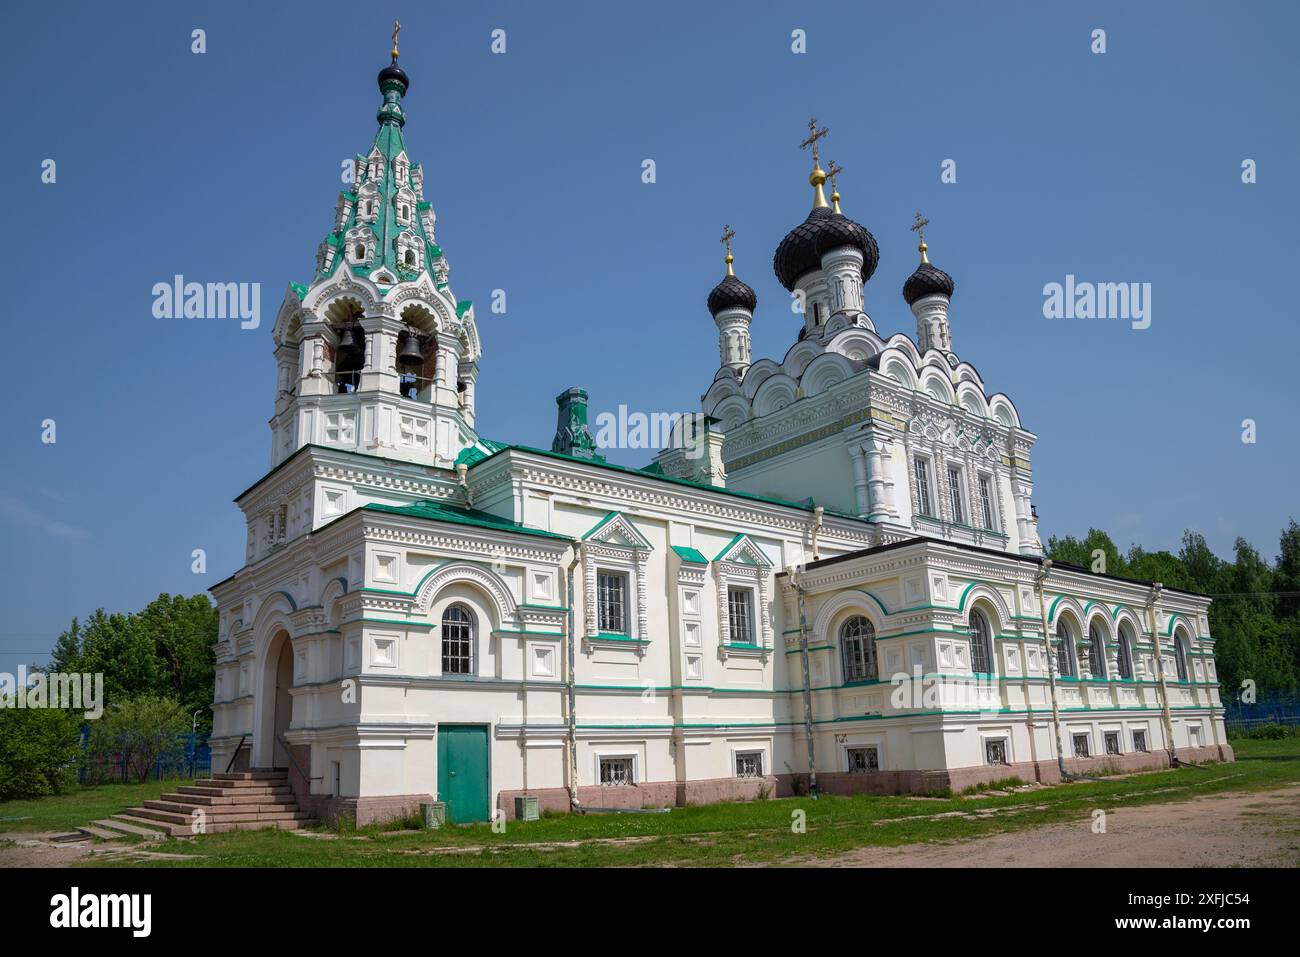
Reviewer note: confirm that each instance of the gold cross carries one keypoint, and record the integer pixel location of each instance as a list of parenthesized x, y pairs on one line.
[(831, 171), (919, 228), (814, 135), (397, 28), (727, 233)]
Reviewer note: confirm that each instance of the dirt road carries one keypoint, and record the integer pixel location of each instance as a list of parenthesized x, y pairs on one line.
[(1259, 829)]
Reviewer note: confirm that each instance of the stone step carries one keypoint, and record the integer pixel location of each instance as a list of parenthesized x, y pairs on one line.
[(226, 800), (103, 833), (186, 819), (235, 785), (135, 827), (251, 775), (259, 826), (217, 792), (214, 811)]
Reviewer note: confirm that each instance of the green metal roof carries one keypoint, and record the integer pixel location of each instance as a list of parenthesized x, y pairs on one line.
[(441, 512), (690, 555)]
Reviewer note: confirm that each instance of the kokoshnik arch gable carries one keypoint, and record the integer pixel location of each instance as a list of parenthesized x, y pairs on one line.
[(846, 589)]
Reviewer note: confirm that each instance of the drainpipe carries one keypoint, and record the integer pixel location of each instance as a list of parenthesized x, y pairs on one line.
[(462, 478), (571, 744), (807, 684), (818, 514), (1166, 722), (1040, 577)]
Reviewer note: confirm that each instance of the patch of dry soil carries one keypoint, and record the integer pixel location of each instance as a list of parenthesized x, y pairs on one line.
[(1255, 829)]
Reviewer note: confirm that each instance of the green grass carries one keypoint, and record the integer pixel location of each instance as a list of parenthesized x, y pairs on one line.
[(727, 834), (64, 812)]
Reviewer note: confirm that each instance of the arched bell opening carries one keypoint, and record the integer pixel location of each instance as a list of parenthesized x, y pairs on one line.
[(417, 353), (349, 344)]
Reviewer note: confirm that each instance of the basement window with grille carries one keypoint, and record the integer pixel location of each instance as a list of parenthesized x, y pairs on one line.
[(749, 764), (1081, 746), (863, 760), (995, 751), (1112, 742), (1139, 741), (616, 772)]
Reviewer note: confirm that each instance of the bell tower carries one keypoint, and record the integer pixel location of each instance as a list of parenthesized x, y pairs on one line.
[(376, 354)]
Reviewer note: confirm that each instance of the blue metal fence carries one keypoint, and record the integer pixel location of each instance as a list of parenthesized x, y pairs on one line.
[(1271, 707), (191, 756)]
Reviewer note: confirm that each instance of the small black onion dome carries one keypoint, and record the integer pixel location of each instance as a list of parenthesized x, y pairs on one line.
[(730, 293), (801, 250), (928, 280), (394, 73)]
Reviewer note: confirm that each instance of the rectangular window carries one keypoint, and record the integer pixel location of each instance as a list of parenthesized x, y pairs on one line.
[(611, 603), (995, 751), (922, 473), (749, 764), (1081, 746), (1139, 741), (958, 502), (616, 772), (740, 612), (986, 501), (1112, 742), (863, 760)]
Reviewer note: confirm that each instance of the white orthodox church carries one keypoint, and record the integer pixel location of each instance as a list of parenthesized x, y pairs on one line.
[(843, 589)]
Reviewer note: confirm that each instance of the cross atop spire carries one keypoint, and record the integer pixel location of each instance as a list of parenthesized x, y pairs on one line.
[(818, 176), (919, 229), (832, 170), (397, 28), (727, 234), (814, 135)]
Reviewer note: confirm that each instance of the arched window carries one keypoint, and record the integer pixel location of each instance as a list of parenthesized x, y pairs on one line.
[(361, 251), (1096, 651), (858, 650), (457, 641), (1180, 656), (410, 257), (1064, 650), (1125, 651), (981, 644)]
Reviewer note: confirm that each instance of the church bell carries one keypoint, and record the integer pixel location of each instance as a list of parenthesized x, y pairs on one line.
[(347, 341), (410, 354)]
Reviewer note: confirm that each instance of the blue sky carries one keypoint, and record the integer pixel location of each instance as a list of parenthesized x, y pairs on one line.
[(1121, 167)]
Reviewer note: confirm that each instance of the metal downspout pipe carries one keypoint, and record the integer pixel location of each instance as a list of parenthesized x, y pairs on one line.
[(818, 514), (571, 743), (1167, 725), (1040, 577)]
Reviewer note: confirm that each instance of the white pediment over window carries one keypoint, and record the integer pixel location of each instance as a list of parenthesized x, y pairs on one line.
[(741, 550), (616, 529)]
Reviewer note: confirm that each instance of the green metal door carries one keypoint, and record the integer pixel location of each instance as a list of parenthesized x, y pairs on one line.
[(463, 771)]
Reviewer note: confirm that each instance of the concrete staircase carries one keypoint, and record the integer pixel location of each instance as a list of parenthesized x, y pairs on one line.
[(234, 801)]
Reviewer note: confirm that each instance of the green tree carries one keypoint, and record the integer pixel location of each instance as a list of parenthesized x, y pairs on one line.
[(38, 751), (140, 730)]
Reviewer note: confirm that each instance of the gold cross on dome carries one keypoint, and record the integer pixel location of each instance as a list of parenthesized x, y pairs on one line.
[(727, 233), (919, 227), (832, 170), (397, 28), (814, 135)]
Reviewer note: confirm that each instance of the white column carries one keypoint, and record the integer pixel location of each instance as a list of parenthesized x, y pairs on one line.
[(861, 491)]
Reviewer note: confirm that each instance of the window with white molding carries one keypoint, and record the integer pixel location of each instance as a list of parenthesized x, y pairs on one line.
[(749, 764), (862, 760), (617, 772)]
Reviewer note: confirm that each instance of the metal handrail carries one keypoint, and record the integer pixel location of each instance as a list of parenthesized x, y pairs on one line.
[(296, 766), (239, 747)]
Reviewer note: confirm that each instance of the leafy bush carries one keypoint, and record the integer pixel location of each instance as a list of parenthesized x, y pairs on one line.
[(141, 730), (38, 752), (1272, 732)]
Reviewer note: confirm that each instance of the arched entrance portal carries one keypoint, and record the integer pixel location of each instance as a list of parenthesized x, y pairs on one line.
[(276, 708)]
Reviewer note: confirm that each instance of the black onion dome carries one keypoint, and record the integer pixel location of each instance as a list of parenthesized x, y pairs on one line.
[(928, 280), (839, 231), (797, 253), (396, 74), (801, 250), (730, 293)]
